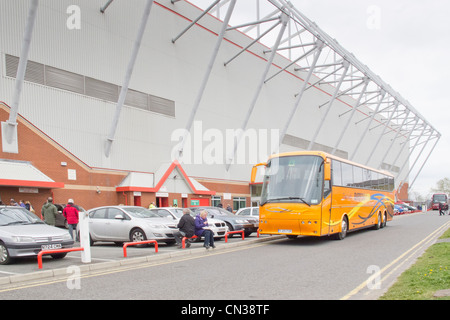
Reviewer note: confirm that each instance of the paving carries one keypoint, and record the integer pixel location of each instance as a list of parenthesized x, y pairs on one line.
[(106, 256)]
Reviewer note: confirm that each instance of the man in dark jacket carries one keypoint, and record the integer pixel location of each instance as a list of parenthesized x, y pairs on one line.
[(186, 227), (49, 212)]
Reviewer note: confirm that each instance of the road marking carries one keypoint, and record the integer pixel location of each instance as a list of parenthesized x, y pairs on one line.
[(5, 272), (416, 248)]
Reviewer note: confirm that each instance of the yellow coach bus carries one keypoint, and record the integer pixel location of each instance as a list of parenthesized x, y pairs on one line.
[(316, 194)]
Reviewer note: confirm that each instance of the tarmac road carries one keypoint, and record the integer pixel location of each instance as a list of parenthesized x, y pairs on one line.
[(362, 266)]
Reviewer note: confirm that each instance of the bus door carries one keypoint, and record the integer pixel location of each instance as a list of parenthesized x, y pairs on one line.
[(326, 202), (326, 208)]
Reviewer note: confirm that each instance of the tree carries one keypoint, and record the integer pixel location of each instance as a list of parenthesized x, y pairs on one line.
[(442, 185)]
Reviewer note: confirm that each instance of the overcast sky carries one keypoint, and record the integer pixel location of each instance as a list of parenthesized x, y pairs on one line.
[(405, 42)]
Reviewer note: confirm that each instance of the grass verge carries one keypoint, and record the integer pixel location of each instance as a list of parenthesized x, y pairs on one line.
[(429, 274)]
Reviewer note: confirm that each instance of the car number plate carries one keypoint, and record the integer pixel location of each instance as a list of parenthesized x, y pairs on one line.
[(284, 231), (51, 246)]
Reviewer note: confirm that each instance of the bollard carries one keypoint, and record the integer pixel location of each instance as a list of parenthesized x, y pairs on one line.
[(125, 245), (232, 232), (183, 241), (41, 253), (84, 236)]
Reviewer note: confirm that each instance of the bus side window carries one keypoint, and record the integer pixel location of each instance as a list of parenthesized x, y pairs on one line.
[(326, 188)]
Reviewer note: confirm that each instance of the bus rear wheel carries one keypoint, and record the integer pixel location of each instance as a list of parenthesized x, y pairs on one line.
[(379, 223), (344, 228)]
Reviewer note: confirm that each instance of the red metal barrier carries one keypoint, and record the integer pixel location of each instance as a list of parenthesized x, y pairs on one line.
[(52, 251), (183, 241), (232, 232), (125, 245)]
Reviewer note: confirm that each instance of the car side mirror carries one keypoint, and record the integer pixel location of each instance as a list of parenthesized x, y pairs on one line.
[(119, 217)]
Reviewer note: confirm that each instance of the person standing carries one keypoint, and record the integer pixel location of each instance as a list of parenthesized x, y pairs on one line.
[(70, 212), (49, 212), (201, 229), (441, 209), (186, 227)]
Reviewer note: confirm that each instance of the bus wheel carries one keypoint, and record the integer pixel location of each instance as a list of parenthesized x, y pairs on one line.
[(384, 220), (379, 222), (344, 227)]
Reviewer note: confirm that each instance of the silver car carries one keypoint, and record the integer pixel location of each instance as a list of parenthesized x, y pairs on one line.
[(218, 227), (129, 224), (23, 234)]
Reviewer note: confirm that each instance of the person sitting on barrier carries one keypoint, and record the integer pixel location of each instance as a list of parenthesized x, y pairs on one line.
[(202, 229), (186, 227)]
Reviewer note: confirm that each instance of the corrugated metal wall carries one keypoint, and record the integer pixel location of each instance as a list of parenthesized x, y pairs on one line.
[(101, 49)]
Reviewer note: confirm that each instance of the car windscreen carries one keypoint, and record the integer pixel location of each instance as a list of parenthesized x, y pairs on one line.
[(10, 216), (216, 212), (138, 212)]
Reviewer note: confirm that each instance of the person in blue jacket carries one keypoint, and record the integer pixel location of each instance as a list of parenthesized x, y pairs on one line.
[(202, 230)]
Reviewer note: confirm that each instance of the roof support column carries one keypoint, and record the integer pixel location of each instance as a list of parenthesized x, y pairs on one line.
[(195, 21), (382, 134), (383, 94), (206, 76), (393, 140), (284, 21), (410, 154), (330, 103), (358, 103), (126, 82), (403, 146), (9, 128), (425, 161), (319, 47)]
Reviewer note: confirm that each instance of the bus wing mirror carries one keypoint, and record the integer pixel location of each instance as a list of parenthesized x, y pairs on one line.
[(327, 170), (255, 170)]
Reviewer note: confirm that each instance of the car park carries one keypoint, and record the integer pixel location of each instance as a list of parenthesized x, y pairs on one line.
[(252, 212), (129, 224), (218, 227), (234, 223), (23, 234)]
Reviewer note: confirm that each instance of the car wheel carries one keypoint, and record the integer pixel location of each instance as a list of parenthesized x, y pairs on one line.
[(137, 235), (5, 258), (230, 228), (59, 255)]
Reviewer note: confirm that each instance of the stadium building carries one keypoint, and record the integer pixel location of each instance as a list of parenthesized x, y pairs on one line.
[(134, 102)]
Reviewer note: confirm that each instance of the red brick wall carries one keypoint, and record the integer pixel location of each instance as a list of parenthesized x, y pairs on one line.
[(46, 155)]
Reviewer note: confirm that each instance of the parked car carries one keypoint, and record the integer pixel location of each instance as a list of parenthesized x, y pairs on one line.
[(252, 212), (23, 234), (398, 209), (233, 222), (129, 224), (218, 227)]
